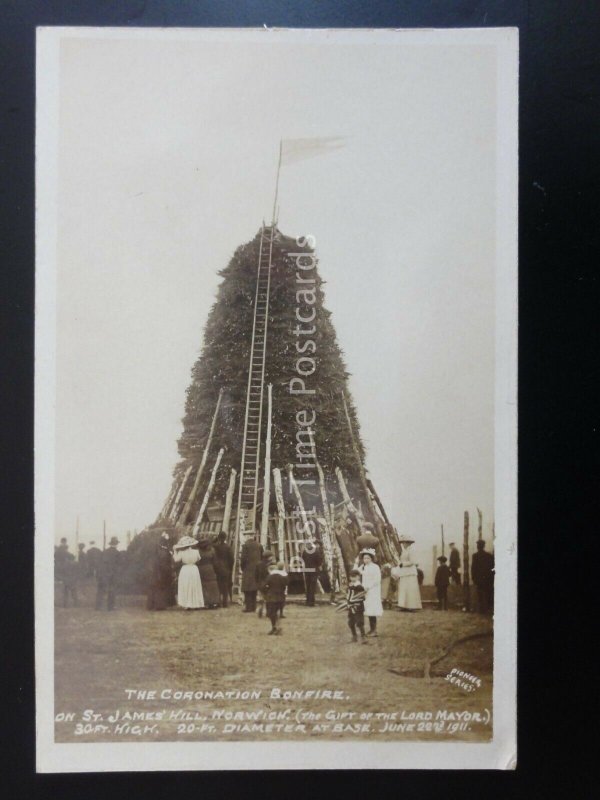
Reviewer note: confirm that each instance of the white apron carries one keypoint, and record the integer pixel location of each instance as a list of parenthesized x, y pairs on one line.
[(371, 581)]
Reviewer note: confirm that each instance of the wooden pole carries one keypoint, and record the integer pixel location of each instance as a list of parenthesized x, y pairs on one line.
[(192, 495), (208, 492), (298, 496), (378, 501), (361, 468), (165, 509), (327, 534), (264, 524), (280, 514), (479, 524), (229, 501), (466, 581), (348, 501), (173, 514), (277, 183), (443, 545)]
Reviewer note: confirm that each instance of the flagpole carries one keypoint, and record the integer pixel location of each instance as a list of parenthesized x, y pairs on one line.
[(277, 182)]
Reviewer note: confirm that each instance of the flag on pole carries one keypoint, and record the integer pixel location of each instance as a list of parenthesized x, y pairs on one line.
[(293, 150)]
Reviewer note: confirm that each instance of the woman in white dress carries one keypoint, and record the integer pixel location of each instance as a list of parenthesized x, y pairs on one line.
[(189, 586), (409, 594), (371, 583)]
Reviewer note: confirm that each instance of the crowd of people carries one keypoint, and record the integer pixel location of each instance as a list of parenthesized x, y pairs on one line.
[(198, 574)]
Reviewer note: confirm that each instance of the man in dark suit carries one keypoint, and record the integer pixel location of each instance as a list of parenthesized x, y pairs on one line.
[(249, 558), (223, 566), (313, 560), (442, 580), (61, 556), (454, 564), (107, 574), (94, 556), (482, 573)]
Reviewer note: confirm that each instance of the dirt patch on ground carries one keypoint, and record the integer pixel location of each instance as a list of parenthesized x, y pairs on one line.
[(99, 655)]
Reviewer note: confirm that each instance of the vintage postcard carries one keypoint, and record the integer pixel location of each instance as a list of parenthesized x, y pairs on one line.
[(276, 326)]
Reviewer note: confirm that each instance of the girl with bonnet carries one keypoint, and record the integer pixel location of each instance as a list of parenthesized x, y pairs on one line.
[(371, 581)]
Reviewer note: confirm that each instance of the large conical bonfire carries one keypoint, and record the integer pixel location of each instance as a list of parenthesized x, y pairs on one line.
[(271, 440)]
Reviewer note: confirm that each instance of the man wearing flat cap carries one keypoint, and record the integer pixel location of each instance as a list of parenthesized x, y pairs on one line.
[(442, 580)]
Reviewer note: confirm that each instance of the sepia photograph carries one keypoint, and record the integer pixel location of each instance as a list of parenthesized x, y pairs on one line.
[(276, 376)]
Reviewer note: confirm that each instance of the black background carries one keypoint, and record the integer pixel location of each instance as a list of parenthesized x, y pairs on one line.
[(558, 401)]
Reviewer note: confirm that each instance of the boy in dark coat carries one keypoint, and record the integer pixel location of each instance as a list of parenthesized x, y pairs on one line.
[(442, 579), (262, 573), (356, 606), (273, 590)]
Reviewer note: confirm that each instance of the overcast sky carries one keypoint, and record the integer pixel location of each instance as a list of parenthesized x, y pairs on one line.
[(167, 157)]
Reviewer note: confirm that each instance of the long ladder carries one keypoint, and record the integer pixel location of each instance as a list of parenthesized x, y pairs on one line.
[(250, 466)]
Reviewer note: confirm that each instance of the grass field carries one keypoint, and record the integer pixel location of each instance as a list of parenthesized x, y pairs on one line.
[(99, 654)]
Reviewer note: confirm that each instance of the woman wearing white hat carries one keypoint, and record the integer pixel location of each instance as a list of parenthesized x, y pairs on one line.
[(409, 594), (371, 581), (189, 585)]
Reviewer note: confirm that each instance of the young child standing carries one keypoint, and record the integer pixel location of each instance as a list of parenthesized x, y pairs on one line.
[(442, 579), (273, 590), (356, 606)]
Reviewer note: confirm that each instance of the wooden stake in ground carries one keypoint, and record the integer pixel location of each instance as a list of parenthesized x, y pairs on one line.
[(192, 495), (264, 524), (208, 492), (466, 582), (479, 524), (443, 546), (229, 501), (280, 515)]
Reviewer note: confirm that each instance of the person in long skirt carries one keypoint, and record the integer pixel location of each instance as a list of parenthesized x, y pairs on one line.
[(371, 582), (409, 594), (189, 586), (208, 576), (161, 576)]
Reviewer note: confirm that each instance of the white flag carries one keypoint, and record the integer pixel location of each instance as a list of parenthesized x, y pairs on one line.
[(293, 150)]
